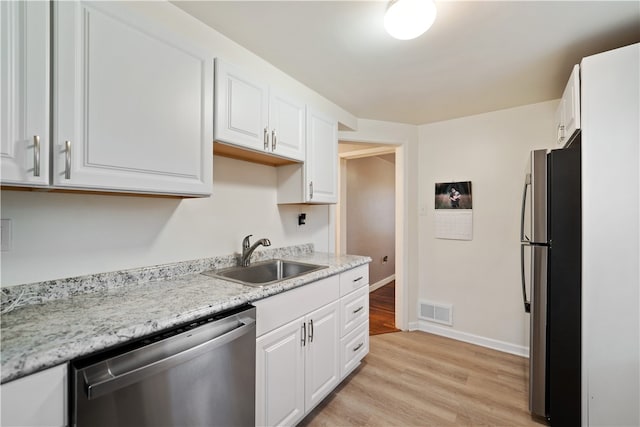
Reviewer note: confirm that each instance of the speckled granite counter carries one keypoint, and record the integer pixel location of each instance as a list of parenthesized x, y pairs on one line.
[(39, 336)]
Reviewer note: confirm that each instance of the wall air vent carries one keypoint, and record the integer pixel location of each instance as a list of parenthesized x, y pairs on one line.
[(435, 312)]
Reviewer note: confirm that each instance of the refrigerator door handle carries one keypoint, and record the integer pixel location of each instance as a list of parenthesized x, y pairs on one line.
[(527, 304), (527, 182)]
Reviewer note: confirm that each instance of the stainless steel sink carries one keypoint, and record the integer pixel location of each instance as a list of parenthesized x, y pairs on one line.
[(265, 272)]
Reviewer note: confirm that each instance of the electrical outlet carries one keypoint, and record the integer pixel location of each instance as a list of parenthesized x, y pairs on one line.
[(5, 235)]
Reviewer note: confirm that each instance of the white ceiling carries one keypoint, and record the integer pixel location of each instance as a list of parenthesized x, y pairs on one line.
[(479, 56)]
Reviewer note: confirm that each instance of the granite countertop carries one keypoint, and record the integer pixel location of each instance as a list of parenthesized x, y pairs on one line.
[(39, 336)]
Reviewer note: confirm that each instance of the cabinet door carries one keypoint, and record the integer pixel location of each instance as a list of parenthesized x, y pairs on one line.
[(568, 112), (36, 400), (133, 103), (287, 122), (322, 362), (321, 166), (24, 93), (280, 375), (241, 116), (571, 103)]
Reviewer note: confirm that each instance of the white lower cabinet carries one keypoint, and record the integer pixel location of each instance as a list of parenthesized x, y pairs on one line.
[(353, 347), (280, 375), (322, 359), (38, 399), (302, 349), (297, 365), (354, 316)]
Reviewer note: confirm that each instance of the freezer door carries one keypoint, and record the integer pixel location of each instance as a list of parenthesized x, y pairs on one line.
[(538, 194), (538, 374)]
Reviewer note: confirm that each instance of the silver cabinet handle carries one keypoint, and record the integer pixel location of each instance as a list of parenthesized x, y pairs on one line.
[(266, 138), (358, 279), (36, 155), (358, 309), (67, 160), (358, 347), (303, 339), (274, 140), (311, 330), (311, 190)]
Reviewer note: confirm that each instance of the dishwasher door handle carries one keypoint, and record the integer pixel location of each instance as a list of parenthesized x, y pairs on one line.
[(106, 382)]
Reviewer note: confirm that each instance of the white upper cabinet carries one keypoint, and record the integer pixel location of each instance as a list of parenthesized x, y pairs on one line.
[(315, 182), (24, 93), (322, 158), (252, 115), (133, 104), (287, 125), (242, 105), (568, 113)]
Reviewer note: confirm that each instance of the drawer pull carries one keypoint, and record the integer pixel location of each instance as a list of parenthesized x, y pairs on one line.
[(358, 309), (67, 160), (303, 338), (358, 279), (36, 155), (358, 347)]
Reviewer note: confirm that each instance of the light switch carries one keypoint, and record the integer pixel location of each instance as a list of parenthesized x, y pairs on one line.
[(5, 235)]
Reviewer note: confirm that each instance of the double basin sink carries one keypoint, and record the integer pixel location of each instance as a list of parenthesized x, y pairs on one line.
[(265, 272)]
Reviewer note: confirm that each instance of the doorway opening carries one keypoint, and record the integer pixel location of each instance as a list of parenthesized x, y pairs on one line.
[(367, 223)]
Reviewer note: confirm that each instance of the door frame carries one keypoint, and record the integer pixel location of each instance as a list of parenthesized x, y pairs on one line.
[(377, 148)]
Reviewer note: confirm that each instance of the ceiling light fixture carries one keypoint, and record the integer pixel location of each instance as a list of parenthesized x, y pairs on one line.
[(407, 19)]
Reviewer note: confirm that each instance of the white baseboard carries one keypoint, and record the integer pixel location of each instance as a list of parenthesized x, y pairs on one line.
[(381, 283), (414, 326), (444, 331)]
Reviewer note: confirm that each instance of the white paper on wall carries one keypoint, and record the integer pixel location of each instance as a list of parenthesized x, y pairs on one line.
[(454, 224)]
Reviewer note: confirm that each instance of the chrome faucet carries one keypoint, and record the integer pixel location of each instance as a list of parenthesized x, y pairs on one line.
[(247, 249)]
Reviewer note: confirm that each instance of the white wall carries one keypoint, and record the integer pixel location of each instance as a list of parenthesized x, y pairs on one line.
[(481, 277), (64, 235), (611, 238)]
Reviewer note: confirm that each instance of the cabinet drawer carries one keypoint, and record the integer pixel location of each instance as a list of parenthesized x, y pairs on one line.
[(353, 348), (282, 308), (353, 279), (354, 310)]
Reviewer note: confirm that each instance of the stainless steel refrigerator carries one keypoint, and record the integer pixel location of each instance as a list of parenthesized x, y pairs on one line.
[(551, 271)]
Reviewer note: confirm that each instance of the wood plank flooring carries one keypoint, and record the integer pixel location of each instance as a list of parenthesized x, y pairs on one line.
[(382, 309), (420, 379)]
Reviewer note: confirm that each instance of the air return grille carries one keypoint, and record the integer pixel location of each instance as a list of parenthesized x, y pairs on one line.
[(434, 312)]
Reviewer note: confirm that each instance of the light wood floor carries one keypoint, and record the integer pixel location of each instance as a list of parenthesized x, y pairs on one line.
[(419, 379), (382, 309)]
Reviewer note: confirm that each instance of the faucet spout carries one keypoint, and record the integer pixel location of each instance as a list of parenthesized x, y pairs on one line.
[(248, 248)]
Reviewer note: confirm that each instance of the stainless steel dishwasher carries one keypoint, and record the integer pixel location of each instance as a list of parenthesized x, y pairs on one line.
[(199, 374)]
